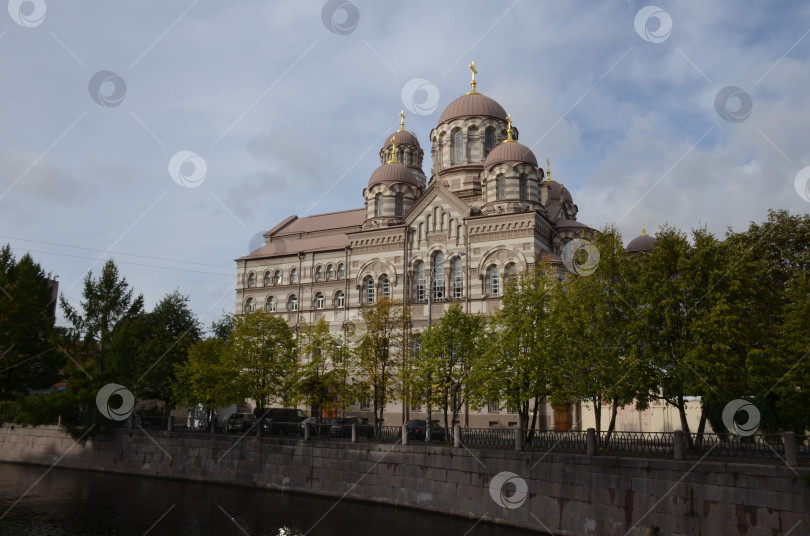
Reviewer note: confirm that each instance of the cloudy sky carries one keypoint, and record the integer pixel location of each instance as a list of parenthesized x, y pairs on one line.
[(167, 134)]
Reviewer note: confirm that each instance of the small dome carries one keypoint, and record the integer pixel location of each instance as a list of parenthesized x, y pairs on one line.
[(509, 152), (557, 192), (642, 242), (393, 173), (403, 137), (472, 104)]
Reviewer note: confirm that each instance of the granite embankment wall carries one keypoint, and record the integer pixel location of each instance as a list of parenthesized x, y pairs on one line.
[(566, 493)]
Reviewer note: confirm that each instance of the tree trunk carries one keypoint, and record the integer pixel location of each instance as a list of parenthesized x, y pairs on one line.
[(702, 425), (597, 414), (537, 402), (681, 405), (613, 411)]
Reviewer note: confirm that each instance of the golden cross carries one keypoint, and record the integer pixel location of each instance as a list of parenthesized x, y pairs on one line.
[(393, 151), (548, 169), (509, 130), (402, 120), (474, 72), (643, 229)]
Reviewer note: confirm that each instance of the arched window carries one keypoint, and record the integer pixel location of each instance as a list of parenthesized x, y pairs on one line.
[(292, 305), (419, 282), (319, 301), (340, 300), (319, 273), (437, 272), (489, 141), (341, 271), (330, 271), (493, 281), (267, 279), (271, 304), (277, 277), (294, 275), (251, 280), (385, 286), (378, 205), (522, 186), (369, 287), (458, 147), (458, 279), (250, 305), (398, 205), (510, 274), (500, 187)]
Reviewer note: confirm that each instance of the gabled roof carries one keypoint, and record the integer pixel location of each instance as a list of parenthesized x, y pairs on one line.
[(319, 222), (336, 241), (436, 189)]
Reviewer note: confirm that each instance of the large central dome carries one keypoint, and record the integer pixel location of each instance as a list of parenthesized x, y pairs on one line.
[(473, 104)]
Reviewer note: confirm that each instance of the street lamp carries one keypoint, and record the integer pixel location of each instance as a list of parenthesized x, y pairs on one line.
[(430, 321)]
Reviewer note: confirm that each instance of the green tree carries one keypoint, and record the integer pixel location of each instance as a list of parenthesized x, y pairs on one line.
[(517, 366), (28, 359), (382, 351), (449, 350), (262, 359), (223, 327), (321, 369), (105, 302), (206, 377)]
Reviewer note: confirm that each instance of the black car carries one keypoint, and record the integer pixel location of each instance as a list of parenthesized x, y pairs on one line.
[(342, 427), (240, 422), (282, 420), (417, 428), (317, 427)]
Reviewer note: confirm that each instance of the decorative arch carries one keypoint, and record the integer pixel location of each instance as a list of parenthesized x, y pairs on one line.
[(375, 268), (494, 256)]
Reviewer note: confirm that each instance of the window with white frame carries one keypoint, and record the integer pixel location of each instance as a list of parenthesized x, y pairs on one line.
[(493, 281), (277, 277), (437, 271), (341, 271), (458, 279), (250, 305), (340, 300), (292, 304), (271, 304), (419, 282), (267, 279), (330, 271), (294, 275), (319, 273), (319, 301)]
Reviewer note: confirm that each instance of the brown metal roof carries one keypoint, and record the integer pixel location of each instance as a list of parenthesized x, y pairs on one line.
[(319, 222), (335, 241), (403, 137), (510, 151), (473, 104), (392, 173)]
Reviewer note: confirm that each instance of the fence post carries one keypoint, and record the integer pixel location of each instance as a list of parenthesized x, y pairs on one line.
[(791, 454), (404, 434), (354, 432), (518, 439), (590, 442), (677, 446), (170, 424), (307, 432), (456, 435)]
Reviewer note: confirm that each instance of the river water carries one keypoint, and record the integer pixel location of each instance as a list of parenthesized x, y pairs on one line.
[(70, 502)]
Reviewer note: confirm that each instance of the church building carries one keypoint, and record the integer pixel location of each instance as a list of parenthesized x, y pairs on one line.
[(488, 212)]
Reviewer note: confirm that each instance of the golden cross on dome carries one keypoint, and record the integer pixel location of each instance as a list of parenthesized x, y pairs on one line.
[(509, 129), (393, 151), (643, 229), (401, 120), (548, 169), (474, 72)]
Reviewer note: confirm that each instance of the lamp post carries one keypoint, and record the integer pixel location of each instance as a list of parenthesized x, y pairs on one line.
[(429, 413)]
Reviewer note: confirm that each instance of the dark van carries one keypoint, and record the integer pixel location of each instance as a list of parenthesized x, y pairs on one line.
[(282, 420)]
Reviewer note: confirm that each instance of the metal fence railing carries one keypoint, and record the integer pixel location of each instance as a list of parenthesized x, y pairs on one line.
[(647, 443), (561, 441), (488, 437)]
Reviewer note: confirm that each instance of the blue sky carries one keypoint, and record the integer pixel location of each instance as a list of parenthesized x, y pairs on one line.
[(282, 110)]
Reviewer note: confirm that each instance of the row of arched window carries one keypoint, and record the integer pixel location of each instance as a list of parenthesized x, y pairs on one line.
[(318, 302), (277, 278), (457, 145), (500, 187)]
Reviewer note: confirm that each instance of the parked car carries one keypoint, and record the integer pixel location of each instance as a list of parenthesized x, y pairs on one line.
[(318, 428), (416, 430), (282, 420), (240, 422), (342, 427)]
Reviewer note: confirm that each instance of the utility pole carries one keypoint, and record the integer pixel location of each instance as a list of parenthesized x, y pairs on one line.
[(430, 321)]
